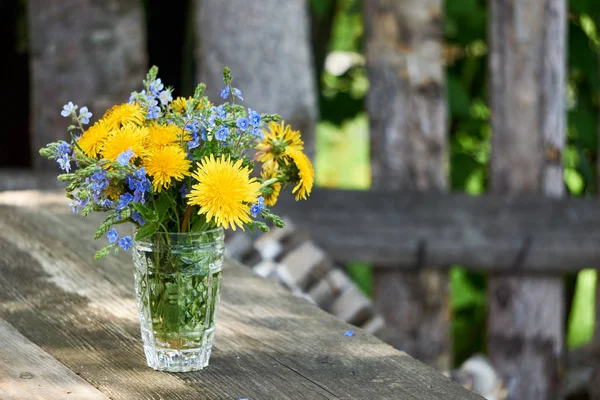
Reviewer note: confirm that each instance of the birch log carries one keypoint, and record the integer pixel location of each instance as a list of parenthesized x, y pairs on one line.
[(527, 75), (407, 107), (91, 52), (266, 45)]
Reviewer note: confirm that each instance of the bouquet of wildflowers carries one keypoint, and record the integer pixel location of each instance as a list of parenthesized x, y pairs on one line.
[(179, 165)]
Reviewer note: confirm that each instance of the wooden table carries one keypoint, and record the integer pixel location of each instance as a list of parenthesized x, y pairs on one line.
[(69, 329)]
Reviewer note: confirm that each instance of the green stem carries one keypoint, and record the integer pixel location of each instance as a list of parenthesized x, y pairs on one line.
[(175, 209)]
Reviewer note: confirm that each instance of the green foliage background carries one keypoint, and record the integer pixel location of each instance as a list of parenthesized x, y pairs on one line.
[(342, 137)]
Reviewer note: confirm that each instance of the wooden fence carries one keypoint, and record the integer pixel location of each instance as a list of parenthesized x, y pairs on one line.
[(522, 232)]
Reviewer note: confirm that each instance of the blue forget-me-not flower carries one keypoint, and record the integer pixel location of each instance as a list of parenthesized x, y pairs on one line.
[(112, 235), (125, 242), (255, 210), (156, 86), (242, 123), (165, 97), (225, 92), (183, 191), (84, 115), (137, 217), (237, 93), (254, 117), (68, 109), (124, 200), (222, 133), (125, 156)]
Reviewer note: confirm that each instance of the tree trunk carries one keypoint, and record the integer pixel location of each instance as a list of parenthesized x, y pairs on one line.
[(91, 52), (407, 107), (266, 45), (527, 72)]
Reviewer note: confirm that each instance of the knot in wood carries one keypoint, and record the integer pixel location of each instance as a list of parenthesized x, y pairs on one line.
[(25, 375), (552, 154)]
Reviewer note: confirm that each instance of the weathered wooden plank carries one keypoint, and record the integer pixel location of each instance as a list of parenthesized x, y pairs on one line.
[(28, 372), (408, 112), (530, 233), (23, 179), (527, 75), (79, 49), (526, 233), (269, 343), (277, 79)]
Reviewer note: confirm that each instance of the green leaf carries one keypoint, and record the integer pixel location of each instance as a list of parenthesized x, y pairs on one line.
[(147, 230), (458, 98), (585, 124), (147, 213), (162, 205), (321, 7)]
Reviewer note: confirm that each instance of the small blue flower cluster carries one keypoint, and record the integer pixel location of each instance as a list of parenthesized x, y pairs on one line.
[(234, 91), (125, 242), (222, 133), (70, 109), (97, 183), (257, 208), (78, 204), (150, 98), (125, 156), (62, 152), (140, 185), (62, 155), (196, 131)]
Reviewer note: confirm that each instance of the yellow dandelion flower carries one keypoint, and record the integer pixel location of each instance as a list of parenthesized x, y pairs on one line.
[(124, 114), (180, 104), (128, 137), (113, 192), (166, 164), (306, 174), (92, 140), (160, 136), (278, 138), (270, 172), (224, 191)]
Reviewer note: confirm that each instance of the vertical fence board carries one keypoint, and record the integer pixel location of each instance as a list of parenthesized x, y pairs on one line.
[(90, 52), (527, 75), (594, 387), (407, 108), (266, 45)]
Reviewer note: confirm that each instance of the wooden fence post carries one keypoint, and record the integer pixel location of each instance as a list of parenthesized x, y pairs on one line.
[(407, 108), (527, 76), (91, 53), (594, 385), (266, 45)]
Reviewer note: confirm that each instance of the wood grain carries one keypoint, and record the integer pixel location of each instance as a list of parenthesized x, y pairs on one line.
[(527, 75), (23, 179), (269, 344), (408, 122), (280, 77), (90, 52), (521, 233), (28, 372)]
